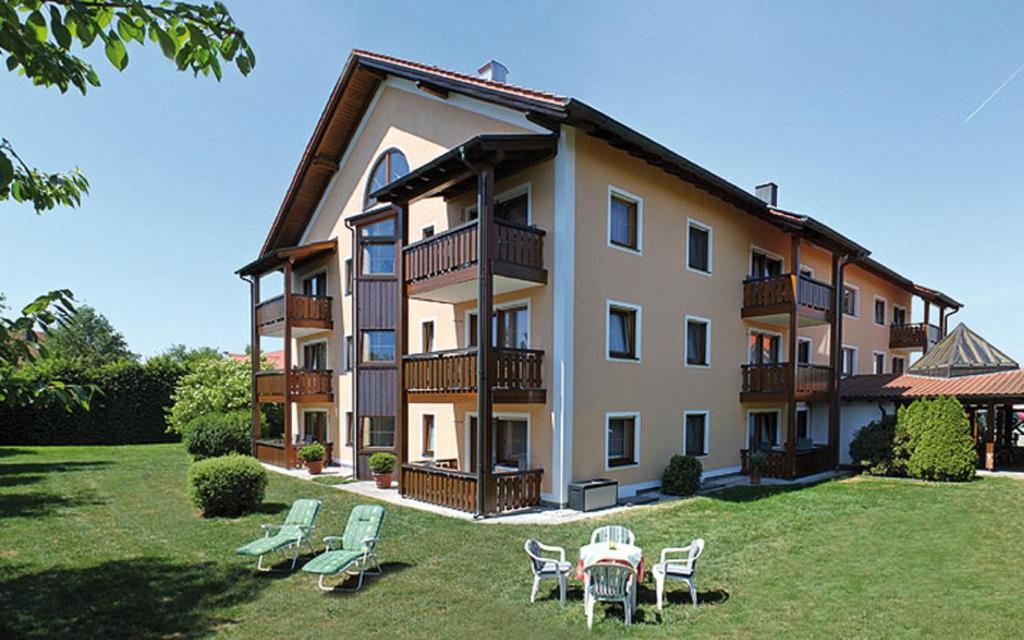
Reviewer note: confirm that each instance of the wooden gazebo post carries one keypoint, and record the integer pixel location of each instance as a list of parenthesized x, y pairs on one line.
[(485, 355)]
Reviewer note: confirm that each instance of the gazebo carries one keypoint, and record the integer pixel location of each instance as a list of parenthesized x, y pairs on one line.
[(983, 378)]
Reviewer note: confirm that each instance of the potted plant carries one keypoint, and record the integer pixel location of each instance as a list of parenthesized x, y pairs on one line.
[(758, 461), (313, 455), (382, 465)]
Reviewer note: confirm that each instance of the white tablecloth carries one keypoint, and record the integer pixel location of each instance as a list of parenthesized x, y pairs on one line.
[(598, 551)]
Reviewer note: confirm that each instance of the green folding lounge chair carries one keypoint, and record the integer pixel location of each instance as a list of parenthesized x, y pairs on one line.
[(358, 550), (292, 534)]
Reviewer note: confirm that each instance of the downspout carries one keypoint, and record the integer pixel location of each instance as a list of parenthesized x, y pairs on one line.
[(252, 349), (355, 416)]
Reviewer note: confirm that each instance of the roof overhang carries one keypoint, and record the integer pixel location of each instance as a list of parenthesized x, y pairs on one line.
[(278, 257), (454, 172)]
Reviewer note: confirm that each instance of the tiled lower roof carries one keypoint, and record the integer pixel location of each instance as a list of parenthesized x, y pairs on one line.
[(1007, 384)]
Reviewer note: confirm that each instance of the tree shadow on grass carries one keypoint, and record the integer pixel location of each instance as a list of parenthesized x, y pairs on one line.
[(44, 468), (18, 480), (38, 505), (6, 452), (752, 493), (138, 598), (271, 508), (369, 580)]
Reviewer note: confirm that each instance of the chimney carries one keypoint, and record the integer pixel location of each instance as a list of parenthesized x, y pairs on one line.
[(769, 192), (494, 71)]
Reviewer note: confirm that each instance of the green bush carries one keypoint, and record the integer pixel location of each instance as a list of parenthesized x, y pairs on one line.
[(218, 434), (312, 452), (872, 448), (230, 485), (215, 385), (128, 407), (682, 476), (381, 462), (933, 441)]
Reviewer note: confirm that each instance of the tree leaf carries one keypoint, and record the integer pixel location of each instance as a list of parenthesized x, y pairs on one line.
[(6, 170), (37, 23), (166, 41), (116, 52), (60, 32)]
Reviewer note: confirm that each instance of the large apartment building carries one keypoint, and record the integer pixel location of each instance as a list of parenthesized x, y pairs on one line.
[(641, 306)]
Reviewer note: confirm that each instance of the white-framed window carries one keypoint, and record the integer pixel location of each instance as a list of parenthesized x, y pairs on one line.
[(700, 246), (350, 428), (349, 354), (880, 310), (803, 421), (878, 362), (696, 431), (513, 205), (622, 440), (804, 350), (314, 425), (764, 264), (510, 325), (851, 300), (764, 428), (429, 435), (806, 271), (625, 220), (623, 335), (510, 440), (378, 345), (315, 284), (427, 336), (314, 354), (698, 342), (899, 315), (849, 361), (427, 232), (348, 276), (899, 363)]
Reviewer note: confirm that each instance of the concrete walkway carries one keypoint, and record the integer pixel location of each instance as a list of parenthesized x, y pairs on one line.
[(544, 515)]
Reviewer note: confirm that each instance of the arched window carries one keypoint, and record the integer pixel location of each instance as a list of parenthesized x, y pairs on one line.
[(391, 166)]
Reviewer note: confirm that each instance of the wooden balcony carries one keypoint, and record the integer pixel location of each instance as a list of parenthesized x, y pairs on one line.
[(434, 376), (308, 314), (772, 299), (443, 268), (307, 385), (772, 382), (817, 459), (508, 490), (913, 336)]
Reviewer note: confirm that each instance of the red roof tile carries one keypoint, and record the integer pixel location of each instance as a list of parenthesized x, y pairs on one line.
[(276, 358), (892, 386)]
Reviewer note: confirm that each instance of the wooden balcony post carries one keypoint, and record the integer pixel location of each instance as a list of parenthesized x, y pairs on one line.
[(289, 453), (402, 345), (835, 358), (254, 347), (791, 373), (485, 355), (927, 314)]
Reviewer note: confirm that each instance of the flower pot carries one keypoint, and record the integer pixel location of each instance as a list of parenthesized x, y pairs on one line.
[(314, 467), (383, 480), (755, 476)]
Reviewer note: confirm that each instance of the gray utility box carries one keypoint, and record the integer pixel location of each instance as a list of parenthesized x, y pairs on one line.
[(590, 495)]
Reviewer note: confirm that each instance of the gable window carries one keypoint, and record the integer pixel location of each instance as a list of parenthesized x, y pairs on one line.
[(623, 339), (315, 285), (349, 353), (427, 335), (314, 355), (428, 231), (314, 425), (764, 348), (428, 434), (849, 361), (378, 259), (899, 315), (764, 266), (378, 432), (803, 422), (379, 346), (695, 433), (898, 363), (764, 429), (803, 350), (348, 276), (625, 214), (623, 432), (878, 363), (698, 337), (880, 311), (390, 166), (850, 299), (698, 247)]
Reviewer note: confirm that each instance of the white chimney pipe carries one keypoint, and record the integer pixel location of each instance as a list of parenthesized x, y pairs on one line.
[(494, 71)]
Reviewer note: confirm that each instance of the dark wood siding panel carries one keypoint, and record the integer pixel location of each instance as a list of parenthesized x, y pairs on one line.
[(377, 392), (378, 304)]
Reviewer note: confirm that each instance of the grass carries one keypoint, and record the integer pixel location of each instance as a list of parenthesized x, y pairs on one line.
[(102, 542)]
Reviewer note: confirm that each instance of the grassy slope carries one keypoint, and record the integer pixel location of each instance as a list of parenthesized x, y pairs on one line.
[(102, 542)]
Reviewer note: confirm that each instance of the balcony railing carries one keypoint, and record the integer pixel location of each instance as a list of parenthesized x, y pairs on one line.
[(509, 491), (817, 459), (308, 311), (776, 292), (305, 384), (776, 379), (516, 249), (913, 336), (454, 371)]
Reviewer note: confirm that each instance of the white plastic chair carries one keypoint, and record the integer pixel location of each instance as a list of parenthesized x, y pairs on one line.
[(613, 533), (547, 567), (678, 568), (610, 582)]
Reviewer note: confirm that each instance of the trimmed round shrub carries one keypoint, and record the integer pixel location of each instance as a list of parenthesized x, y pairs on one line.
[(312, 452), (382, 462), (218, 434), (872, 447), (934, 440), (682, 476), (230, 485)]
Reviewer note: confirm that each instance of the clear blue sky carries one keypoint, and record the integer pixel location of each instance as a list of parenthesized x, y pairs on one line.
[(856, 109)]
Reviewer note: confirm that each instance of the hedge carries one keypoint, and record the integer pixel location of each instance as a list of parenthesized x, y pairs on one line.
[(129, 408), (682, 476), (872, 448), (933, 441), (219, 434)]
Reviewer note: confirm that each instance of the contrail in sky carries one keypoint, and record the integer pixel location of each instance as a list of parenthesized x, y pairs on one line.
[(994, 93)]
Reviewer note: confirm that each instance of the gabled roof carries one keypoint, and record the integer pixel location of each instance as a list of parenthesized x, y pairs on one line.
[(962, 353), (1007, 384)]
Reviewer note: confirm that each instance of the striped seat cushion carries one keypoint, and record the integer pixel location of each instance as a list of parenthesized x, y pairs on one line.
[(263, 546), (331, 562)]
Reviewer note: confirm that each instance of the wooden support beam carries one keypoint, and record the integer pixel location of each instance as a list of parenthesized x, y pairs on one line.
[(927, 313), (402, 343), (254, 346), (835, 355), (289, 450), (485, 353), (794, 278)]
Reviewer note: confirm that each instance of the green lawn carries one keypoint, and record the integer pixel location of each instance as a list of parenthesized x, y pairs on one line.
[(102, 542)]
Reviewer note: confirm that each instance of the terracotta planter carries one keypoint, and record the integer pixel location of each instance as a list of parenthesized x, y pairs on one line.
[(314, 467), (383, 480), (755, 476)]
